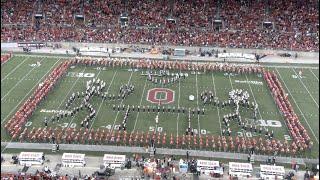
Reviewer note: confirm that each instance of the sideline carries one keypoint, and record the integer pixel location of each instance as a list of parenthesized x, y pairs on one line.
[(164, 151)]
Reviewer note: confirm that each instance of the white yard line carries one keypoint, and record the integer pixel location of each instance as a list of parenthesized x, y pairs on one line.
[(19, 81), (75, 82), (115, 119), (278, 111), (243, 131), (144, 87), (230, 81), (69, 124), (29, 91), (314, 75), (298, 107), (254, 98), (178, 117), (14, 69), (215, 94), (198, 102), (306, 88), (114, 75)]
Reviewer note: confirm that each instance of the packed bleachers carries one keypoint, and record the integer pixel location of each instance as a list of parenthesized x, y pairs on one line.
[(294, 23)]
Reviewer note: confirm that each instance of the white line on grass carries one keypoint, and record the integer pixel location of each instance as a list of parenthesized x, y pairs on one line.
[(243, 131), (254, 98), (198, 101), (103, 99), (306, 88), (230, 81), (69, 124), (19, 81), (178, 117), (215, 94), (24, 98), (75, 82), (14, 68), (298, 107), (29, 91), (314, 75), (144, 87), (279, 112), (115, 119)]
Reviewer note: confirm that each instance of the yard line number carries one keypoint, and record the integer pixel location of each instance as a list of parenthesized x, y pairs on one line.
[(86, 75)]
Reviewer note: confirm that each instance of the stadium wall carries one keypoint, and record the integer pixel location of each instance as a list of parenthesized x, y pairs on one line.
[(69, 45)]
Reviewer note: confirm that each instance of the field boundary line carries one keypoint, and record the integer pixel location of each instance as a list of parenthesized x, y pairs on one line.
[(114, 74), (115, 119), (70, 122), (19, 82), (314, 75), (15, 68), (178, 117), (30, 90), (215, 94), (199, 131), (37, 55), (306, 88), (164, 151), (144, 87), (298, 106)]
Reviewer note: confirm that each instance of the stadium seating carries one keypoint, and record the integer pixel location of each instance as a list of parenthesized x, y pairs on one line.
[(295, 22)]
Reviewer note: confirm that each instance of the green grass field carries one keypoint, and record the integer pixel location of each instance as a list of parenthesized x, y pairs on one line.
[(21, 75)]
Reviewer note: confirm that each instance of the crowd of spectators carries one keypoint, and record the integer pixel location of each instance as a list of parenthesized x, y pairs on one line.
[(294, 23)]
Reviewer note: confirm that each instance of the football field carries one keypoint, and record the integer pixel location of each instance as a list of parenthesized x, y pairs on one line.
[(22, 74)]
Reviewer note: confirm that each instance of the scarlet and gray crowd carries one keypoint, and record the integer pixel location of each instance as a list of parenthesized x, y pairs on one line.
[(295, 22), (15, 126)]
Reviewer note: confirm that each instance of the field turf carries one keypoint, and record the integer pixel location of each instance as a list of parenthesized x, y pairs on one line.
[(21, 74)]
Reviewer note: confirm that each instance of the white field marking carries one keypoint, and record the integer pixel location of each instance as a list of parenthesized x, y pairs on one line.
[(215, 94), (30, 91), (178, 117), (115, 119), (298, 107), (306, 88), (74, 83), (40, 56), (230, 82), (198, 102), (286, 67), (14, 69), (267, 111), (23, 99), (254, 98), (69, 124), (19, 82), (144, 87), (103, 99), (243, 131), (279, 112), (314, 75)]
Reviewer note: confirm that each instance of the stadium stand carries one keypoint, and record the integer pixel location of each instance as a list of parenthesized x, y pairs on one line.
[(292, 25)]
